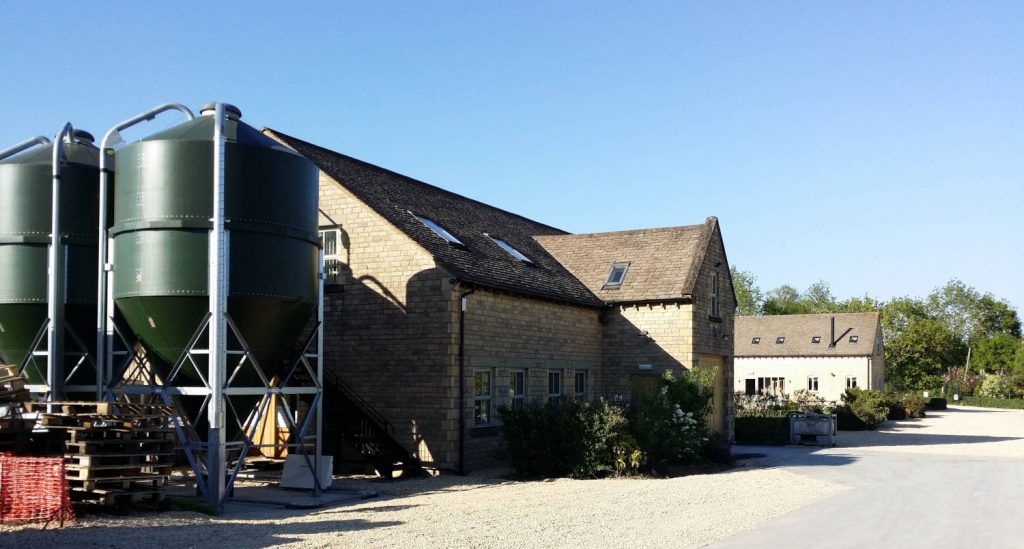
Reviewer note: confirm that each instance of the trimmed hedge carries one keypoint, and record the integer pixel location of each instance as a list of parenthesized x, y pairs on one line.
[(992, 402), (762, 428)]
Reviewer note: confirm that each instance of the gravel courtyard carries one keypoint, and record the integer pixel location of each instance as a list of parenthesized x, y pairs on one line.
[(484, 510)]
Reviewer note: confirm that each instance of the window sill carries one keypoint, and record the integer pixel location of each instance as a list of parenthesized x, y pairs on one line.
[(484, 431)]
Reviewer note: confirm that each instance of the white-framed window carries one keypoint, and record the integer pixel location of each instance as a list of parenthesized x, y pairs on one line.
[(329, 240), (851, 382), (481, 397), (812, 384), (554, 386), (714, 293), (438, 230), (580, 384), (617, 274), (771, 385), (517, 389)]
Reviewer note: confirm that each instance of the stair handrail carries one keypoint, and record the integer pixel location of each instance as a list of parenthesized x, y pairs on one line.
[(359, 401)]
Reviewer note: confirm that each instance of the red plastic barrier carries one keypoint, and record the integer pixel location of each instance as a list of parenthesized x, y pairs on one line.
[(34, 490)]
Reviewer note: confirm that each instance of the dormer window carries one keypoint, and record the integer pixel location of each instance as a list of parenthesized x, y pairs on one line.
[(755, 341), (508, 248), (617, 274), (438, 230), (780, 340), (816, 339), (854, 339)]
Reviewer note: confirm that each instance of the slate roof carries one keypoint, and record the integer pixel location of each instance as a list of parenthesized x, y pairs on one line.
[(663, 263), (480, 261), (799, 331)]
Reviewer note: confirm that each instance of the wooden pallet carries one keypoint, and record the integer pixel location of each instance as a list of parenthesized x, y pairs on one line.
[(112, 409), (152, 482), (133, 495), (160, 459)]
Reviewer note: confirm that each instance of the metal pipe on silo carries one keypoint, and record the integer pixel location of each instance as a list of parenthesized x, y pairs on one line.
[(55, 280), (104, 302), (23, 146)]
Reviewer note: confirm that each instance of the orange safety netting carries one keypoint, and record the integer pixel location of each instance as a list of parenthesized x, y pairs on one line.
[(33, 490)]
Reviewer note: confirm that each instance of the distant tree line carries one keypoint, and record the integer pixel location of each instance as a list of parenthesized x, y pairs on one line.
[(954, 339)]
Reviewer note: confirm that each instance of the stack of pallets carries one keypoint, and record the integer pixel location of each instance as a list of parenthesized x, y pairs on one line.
[(115, 453), (15, 430)]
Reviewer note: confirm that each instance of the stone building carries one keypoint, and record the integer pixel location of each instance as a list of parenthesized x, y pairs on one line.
[(822, 353), (439, 309)]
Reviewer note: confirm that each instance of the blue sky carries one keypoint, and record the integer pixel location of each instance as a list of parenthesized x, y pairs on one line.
[(878, 146)]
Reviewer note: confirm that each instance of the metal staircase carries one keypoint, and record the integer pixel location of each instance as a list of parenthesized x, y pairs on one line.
[(351, 419)]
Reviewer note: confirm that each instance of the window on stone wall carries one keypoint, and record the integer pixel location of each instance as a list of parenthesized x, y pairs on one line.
[(481, 397), (329, 240), (851, 382), (812, 384), (517, 389), (580, 385), (714, 294), (554, 386)]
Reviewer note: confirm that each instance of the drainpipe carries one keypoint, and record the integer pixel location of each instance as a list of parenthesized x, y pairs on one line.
[(463, 301)]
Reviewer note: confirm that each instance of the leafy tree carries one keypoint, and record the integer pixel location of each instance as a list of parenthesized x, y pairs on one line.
[(993, 316), (864, 304), (819, 299), (995, 354), (920, 354), (784, 300), (748, 295)]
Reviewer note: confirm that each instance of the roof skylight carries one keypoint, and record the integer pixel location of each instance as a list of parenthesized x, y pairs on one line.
[(439, 230), (780, 340), (617, 274), (508, 248), (755, 341), (815, 339), (854, 339)]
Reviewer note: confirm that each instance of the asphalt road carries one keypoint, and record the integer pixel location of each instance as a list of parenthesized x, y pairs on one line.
[(953, 479)]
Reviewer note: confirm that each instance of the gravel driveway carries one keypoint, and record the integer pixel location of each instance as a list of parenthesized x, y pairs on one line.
[(906, 484)]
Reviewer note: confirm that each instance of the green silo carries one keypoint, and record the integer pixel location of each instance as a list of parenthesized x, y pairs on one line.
[(162, 221), (25, 225)]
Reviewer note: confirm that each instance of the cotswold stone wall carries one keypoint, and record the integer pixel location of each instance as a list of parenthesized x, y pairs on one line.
[(387, 330), (506, 332)]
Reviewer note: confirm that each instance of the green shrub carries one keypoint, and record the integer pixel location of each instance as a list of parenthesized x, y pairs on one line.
[(862, 410), (574, 438), (769, 427), (992, 402), (997, 386), (914, 405), (670, 424)]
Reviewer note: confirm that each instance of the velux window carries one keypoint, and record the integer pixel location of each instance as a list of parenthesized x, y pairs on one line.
[(439, 230), (815, 339), (617, 274), (508, 248), (755, 341), (780, 340)]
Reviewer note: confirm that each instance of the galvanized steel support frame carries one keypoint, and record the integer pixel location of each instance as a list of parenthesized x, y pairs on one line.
[(210, 473)]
